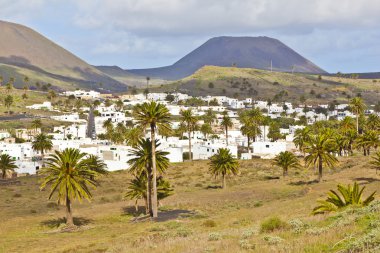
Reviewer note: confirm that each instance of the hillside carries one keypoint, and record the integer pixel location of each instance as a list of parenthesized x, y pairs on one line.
[(277, 86), (217, 220), (127, 77), (24, 48), (244, 52)]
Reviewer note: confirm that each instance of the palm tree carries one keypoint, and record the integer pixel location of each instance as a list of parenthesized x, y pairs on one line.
[(141, 164), (137, 189), (301, 137), (357, 107), (368, 140), (286, 160), (156, 116), (132, 136), (346, 125), (206, 130), (42, 143), (223, 163), (119, 105), (190, 122), (376, 161), (319, 149), (94, 163), (209, 117), (37, 123), (70, 175), (373, 122), (8, 101), (226, 123), (348, 196), (6, 165)]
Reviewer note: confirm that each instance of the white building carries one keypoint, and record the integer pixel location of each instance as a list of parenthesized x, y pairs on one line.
[(44, 106)]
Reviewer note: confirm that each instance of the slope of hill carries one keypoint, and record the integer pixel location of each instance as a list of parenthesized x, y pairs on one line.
[(128, 78), (223, 221), (244, 52), (24, 48), (277, 86)]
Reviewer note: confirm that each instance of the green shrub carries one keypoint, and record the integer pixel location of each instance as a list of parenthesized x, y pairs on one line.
[(214, 237), (209, 223), (273, 223), (273, 240), (245, 244)]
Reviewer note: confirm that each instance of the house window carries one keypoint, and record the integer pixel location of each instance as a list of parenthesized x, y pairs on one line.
[(212, 150), (267, 146), (208, 150)]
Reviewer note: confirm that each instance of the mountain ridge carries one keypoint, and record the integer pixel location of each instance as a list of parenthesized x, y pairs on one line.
[(245, 52)]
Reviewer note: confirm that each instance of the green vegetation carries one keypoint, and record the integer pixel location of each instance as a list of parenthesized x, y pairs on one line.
[(70, 174), (7, 165), (223, 163), (347, 196)]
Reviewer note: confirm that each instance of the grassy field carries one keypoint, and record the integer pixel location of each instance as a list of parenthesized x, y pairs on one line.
[(199, 217), (262, 84)]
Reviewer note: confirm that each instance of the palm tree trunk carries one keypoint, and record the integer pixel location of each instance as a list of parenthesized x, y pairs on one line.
[(320, 169), (149, 192), (249, 149), (154, 170), (357, 123), (69, 214), (285, 172), (226, 136), (190, 154), (224, 186)]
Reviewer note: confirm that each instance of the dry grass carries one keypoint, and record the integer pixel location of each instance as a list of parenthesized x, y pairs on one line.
[(28, 222)]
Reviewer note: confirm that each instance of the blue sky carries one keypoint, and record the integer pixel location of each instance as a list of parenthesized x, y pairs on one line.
[(336, 35)]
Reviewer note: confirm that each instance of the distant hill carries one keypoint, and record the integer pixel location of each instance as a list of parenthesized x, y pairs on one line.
[(23, 48), (244, 52), (276, 86)]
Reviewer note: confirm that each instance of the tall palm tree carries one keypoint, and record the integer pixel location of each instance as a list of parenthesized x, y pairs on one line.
[(141, 164), (190, 121), (226, 123), (286, 160), (223, 163), (157, 117), (357, 107), (319, 149), (42, 143), (346, 124), (6, 164), (70, 175), (376, 161), (209, 117)]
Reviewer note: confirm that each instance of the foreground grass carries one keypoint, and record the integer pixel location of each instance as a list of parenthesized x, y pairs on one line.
[(199, 217)]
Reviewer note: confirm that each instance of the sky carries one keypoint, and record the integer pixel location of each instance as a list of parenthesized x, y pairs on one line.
[(337, 35)]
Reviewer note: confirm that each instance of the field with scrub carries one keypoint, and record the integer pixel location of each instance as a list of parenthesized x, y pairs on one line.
[(258, 212)]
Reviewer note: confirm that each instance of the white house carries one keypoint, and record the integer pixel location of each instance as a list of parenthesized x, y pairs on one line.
[(268, 149), (44, 106)]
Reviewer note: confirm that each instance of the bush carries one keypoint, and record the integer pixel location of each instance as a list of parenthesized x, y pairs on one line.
[(245, 244), (214, 237), (17, 195), (273, 240), (273, 223), (209, 223)]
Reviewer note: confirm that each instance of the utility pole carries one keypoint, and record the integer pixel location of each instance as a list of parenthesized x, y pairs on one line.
[(271, 66)]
